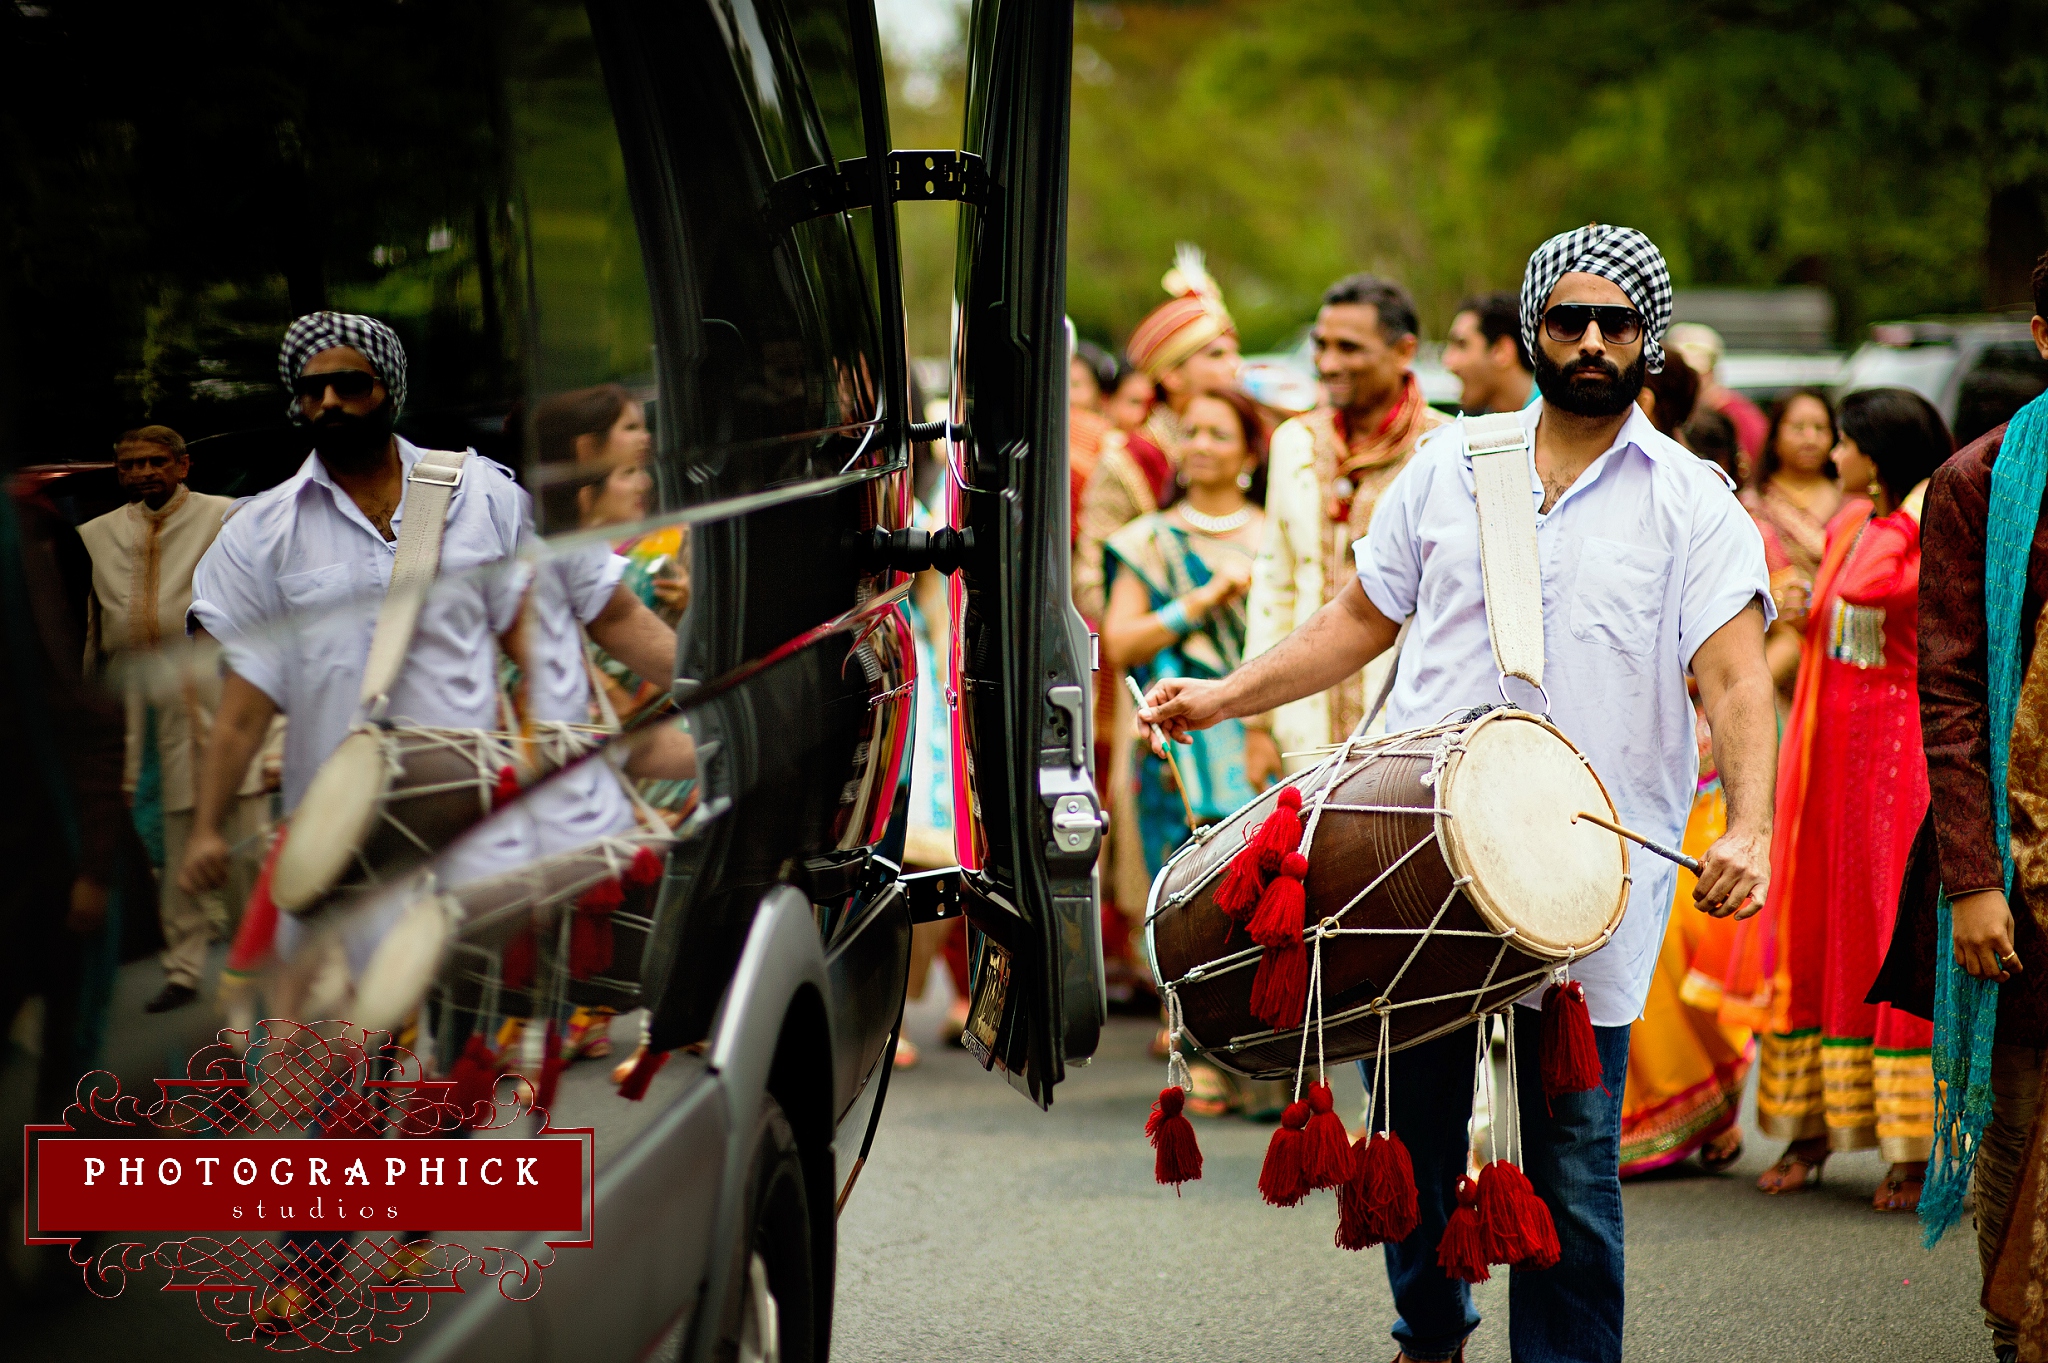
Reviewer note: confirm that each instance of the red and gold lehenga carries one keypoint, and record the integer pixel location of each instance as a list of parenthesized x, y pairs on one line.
[(1685, 1066), (1852, 789)]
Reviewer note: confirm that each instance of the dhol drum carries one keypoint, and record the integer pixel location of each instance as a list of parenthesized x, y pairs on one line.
[(563, 930), (1446, 879), (391, 797)]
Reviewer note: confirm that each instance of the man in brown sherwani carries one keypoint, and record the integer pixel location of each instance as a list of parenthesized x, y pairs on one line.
[(1991, 939)]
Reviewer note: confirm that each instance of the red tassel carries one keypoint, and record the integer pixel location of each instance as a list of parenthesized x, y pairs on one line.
[(1327, 1156), (602, 897), (258, 930), (1462, 1251), (1571, 1055), (1280, 834), (590, 945), (507, 788), (1179, 1158), (644, 1069), (1280, 988), (1238, 895), (1283, 1181), (1516, 1223), (518, 965), (1378, 1203), (645, 869), (475, 1073), (1284, 906), (1260, 857), (550, 1068)]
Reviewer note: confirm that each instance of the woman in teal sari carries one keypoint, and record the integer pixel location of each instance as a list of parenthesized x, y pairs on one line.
[(1177, 580)]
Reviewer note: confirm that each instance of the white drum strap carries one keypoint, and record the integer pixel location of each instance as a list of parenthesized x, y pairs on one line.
[(429, 488), (1510, 567)]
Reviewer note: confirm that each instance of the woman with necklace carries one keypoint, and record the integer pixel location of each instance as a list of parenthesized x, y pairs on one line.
[(1177, 580), (1796, 499), (1837, 1072), (1176, 586)]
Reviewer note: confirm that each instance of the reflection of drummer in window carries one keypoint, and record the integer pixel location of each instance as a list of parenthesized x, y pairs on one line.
[(1650, 570), (291, 586)]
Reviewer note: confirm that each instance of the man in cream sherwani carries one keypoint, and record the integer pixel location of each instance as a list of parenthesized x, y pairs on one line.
[(143, 555), (1326, 471)]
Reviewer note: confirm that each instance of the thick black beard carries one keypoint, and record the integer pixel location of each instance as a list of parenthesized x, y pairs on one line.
[(1610, 398), (353, 444)]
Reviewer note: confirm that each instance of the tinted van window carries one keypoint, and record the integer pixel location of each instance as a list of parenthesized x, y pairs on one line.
[(180, 183), (768, 360)]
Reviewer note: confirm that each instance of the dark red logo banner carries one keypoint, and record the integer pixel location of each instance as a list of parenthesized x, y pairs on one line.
[(333, 1163), (262, 1185)]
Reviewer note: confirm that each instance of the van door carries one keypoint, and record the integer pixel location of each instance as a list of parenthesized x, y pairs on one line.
[(1026, 819)]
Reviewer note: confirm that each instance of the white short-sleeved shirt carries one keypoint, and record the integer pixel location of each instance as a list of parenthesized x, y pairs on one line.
[(1645, 556), (291, 589)]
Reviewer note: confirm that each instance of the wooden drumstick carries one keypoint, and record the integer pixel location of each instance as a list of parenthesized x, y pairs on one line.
[(1659, 848), (1166, 744)]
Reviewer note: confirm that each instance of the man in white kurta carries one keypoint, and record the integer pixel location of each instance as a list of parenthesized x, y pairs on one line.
[(143, 556), (292, 585), (1650, 570)]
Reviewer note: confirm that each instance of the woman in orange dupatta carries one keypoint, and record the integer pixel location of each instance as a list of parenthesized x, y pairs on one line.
[(1685, 1066), (1837, 1073)]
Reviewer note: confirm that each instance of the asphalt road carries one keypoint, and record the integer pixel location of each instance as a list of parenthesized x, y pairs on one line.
[(984, 1229)]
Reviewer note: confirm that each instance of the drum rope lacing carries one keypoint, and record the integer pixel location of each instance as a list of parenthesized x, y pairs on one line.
[(1323, 780)]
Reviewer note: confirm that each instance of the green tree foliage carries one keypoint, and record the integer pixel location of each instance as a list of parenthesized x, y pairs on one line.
[(1857, 145)]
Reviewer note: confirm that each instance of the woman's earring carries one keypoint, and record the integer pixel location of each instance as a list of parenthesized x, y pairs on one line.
[(1874, 487), (1244, 482)]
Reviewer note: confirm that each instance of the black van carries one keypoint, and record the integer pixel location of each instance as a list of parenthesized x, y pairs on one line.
[(692, 199)]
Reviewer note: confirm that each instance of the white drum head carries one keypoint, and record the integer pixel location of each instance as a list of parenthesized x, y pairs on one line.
[(402, 969), (331, 822), (1511, 794)]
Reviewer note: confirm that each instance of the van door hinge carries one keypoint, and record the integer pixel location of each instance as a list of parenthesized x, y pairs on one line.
[(914, 176), (913, 551)]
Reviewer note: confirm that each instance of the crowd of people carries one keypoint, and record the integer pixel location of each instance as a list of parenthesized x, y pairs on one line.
[(1210, 531)]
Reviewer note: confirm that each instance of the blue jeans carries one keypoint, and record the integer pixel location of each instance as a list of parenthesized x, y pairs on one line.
[(1571, 1152)]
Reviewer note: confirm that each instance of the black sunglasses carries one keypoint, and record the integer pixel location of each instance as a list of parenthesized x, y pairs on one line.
[(346, 383), (1567, 322)]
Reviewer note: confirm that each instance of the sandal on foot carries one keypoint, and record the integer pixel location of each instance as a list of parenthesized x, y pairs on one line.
[(1720, 1151), (1900, 1190), (1790, 1163)]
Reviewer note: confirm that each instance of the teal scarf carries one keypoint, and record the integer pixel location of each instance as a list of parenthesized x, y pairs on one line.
[(1966, 1008)]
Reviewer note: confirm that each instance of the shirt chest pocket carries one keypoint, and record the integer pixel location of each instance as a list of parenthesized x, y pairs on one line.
[(325, 609), (1618, 595)]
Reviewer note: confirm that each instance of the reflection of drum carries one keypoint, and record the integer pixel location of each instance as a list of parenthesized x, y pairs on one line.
[(1446, 879), (571, 927), (390, 798)]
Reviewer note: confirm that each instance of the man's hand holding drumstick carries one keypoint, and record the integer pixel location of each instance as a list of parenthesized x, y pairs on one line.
[(1336, 642)]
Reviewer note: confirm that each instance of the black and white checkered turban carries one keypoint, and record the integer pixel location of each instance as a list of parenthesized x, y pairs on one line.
[(318, 331), (1622, 255)]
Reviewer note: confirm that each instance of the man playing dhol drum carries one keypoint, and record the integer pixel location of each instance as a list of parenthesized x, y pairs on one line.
[(1650, 570)]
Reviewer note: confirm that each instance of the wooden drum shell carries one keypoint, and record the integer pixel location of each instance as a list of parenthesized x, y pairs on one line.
[(1350, 851)]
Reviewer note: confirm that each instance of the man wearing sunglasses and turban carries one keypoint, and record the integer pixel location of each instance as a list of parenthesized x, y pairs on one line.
[(1650, 571), (291, 587)]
